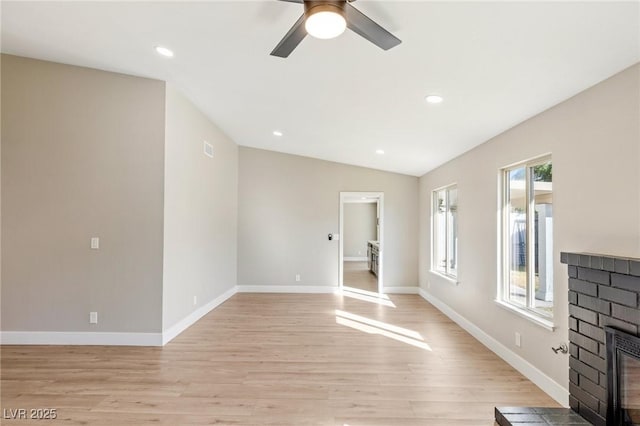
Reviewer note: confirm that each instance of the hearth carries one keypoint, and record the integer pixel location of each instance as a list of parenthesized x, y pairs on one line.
[(623, 372)]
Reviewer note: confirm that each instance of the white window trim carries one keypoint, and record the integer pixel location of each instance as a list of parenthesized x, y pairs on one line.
[(453, 279), (447, 278), (502, 298), (542, 321)]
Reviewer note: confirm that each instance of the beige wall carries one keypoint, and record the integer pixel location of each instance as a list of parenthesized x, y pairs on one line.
[(287, 206), (594, 138), (1, 57), (82, 156), (359, 227), (200, 211)]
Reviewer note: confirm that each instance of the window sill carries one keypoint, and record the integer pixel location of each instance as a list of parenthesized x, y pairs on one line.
[(536, 319), (449, 279)]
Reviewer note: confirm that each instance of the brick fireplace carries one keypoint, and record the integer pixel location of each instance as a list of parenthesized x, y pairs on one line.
[(604, 315), (604, 291)]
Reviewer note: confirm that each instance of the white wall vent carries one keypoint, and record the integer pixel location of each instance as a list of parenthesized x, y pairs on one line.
[(208, 149)]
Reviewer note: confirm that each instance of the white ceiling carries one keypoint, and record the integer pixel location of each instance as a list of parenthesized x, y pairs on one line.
[(496, 64)]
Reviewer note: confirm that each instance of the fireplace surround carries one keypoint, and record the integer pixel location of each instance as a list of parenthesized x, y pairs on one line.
[(604, 296), (604, 346)]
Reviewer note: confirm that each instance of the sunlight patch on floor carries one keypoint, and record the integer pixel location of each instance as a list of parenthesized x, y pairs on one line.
[(367, 296), (370, 326), (365, 292), (379, 324)]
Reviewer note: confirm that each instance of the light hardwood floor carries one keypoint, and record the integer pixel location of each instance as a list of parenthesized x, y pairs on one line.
[(278, 359), (357, 275)]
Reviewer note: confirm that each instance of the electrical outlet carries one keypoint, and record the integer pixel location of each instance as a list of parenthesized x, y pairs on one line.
[(297, 277), (195, 300), (93, 317), (208, 149), (518, 340), (95, 243), (428, 284)]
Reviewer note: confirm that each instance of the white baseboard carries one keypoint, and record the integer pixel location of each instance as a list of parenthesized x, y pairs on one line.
[(110, 339), (544, 382), (355, 259), (79, 338), (169, 334), (401, 290), (286, 289)]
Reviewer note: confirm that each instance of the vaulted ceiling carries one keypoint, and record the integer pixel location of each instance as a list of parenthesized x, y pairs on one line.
[(494, 63)]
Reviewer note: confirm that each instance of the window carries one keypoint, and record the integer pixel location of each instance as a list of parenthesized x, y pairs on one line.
[(527, 237), (445, 231)]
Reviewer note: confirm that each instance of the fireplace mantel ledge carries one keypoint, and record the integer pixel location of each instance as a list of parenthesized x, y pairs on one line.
[(604, 262)]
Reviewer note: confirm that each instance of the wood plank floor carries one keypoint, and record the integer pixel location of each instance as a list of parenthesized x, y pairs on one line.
[(357, 275), (278, 359)]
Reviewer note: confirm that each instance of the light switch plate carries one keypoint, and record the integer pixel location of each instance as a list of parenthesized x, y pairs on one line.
[(95, 243)]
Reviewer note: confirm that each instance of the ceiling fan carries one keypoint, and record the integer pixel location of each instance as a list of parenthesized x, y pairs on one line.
[(328, 19)]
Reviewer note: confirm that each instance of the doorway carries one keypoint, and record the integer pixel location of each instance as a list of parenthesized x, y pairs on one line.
[(361, 242)]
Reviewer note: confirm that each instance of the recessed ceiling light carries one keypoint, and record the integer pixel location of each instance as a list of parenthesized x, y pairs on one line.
[(433, 99), (164, 51), (277, 133), (379, 151)]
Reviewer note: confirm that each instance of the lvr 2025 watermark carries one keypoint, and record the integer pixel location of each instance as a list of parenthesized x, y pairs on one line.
[(29, 413)]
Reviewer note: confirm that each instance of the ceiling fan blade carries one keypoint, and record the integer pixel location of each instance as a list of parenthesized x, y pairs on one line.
[(291, 39), (359, 23)]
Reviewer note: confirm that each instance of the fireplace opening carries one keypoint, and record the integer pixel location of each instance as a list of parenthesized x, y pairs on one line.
[(623, 378)]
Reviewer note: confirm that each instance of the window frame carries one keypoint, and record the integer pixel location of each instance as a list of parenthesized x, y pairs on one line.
[(453, 277), (528, 310)]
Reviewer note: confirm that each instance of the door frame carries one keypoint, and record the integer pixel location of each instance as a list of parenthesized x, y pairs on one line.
[(344, 196)]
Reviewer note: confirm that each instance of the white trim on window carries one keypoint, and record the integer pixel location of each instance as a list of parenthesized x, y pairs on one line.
[(525, 216), (524, 313), (444, 235), (447, 278)]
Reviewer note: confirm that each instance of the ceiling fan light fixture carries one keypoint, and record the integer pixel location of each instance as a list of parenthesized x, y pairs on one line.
[(325, 21)]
